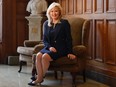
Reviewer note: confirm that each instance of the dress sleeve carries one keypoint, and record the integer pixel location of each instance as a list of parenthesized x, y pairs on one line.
[(68, 37), (45, 35)]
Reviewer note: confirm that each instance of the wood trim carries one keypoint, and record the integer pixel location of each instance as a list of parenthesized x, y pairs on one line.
[(106, 69)]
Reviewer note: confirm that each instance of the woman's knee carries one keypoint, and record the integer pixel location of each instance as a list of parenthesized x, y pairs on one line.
[(46, 57), (39, 55)]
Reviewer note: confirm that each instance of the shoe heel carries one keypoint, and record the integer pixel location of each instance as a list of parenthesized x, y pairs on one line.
[(40, 84)]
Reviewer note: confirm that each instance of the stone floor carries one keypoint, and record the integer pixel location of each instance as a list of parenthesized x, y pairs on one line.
[(9, 77)]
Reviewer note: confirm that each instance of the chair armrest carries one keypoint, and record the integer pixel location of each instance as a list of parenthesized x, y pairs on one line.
[(85, 32), (28, 43), (38, 47), (79, 50)]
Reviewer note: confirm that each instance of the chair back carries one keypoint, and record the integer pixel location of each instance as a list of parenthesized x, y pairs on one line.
[(79, 30)]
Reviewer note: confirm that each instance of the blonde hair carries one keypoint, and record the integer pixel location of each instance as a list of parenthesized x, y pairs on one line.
[(54, 4)]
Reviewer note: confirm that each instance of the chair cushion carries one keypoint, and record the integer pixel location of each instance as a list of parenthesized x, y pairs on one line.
[(63, 61), (25, 50), (28, 43)]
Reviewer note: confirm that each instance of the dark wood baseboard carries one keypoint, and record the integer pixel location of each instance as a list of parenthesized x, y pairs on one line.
[(110, 81)]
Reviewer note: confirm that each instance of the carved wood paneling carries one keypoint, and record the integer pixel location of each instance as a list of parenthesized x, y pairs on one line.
[(111, 5), (88, 6), (98, 6), (111, 42), (78, 6), (22, 24), (20, 5), (99, 40), (102, 40), (21, 31), (63, 4), (70, 8)]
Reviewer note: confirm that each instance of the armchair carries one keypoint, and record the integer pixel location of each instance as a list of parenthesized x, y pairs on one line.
[(80, 33), (26, 52)]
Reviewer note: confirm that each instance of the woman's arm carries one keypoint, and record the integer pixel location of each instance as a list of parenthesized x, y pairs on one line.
[(68, 37), (69, 41), (45, 35)]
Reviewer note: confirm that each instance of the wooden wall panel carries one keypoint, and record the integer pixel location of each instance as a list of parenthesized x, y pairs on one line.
[(70, 4), (88, 6), (111, 5), (63, 4), (13, 13), (78, 6), (111, 42), (7, 30), (99, 40), (20, 5), (102, 39), (21, 22), (21, 27), (99, 5)]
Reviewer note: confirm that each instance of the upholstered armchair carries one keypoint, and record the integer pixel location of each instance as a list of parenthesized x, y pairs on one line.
[(80, 32), (26, 52)]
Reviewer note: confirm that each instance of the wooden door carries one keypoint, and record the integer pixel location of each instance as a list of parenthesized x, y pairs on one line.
[(13, 30)]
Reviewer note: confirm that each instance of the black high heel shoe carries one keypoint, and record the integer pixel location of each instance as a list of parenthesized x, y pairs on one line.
[(33, 83), (33, 78)]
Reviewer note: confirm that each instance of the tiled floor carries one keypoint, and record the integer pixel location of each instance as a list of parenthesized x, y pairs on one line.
[(9, 77)]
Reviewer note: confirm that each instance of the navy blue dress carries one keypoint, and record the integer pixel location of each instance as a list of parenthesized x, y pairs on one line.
[(59, 37)]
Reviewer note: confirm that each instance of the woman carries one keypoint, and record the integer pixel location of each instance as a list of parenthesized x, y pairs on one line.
[(57, 40)]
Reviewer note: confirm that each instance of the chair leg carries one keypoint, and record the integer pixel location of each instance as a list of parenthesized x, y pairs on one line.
[(34, 72), (84, 75), (20, 66), (73, 79), (62, 75), (56, 76)]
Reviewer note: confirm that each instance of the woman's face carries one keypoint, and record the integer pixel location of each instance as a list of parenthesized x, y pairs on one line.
[(55, 13)]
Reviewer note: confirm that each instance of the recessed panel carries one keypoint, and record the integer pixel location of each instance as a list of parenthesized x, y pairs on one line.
[(99, 40), (70, 8), (88, 6), (111, 5), (99, 6), (111, 42), (78, 6), (63, 4)]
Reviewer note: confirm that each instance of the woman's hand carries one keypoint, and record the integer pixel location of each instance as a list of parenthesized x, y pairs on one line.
[(71, 56), (52, 49)]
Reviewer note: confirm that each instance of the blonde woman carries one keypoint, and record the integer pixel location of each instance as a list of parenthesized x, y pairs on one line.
[(57, 40)]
